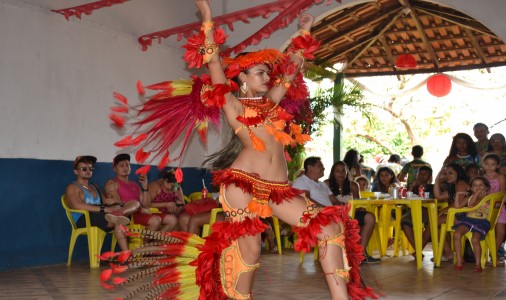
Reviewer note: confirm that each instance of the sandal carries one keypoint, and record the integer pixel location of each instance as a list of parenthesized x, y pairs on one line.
[(477, 269), (458, 268)]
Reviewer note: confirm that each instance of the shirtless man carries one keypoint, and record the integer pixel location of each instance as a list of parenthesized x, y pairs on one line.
[(104, 213)]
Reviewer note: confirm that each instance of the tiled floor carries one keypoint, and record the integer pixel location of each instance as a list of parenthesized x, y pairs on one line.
[(280, 277)]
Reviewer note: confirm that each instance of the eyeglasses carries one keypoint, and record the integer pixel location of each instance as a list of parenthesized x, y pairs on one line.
[(497, 141), (86, 169)]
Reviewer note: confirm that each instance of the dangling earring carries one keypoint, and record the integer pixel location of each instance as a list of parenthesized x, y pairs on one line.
[(244, 88)]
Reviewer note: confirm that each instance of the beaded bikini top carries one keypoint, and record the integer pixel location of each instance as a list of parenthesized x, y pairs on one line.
[(278, 123)]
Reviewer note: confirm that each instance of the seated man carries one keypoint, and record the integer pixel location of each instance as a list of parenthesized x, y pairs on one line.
[(321, 193), (309, 182), (423, 178), (123, 190), (80, 194)]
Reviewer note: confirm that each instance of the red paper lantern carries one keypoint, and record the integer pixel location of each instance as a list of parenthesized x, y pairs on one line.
[(439, 85), (405, 62)]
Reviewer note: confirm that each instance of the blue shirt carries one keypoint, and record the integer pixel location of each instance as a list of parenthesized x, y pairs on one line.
[(88, 199)]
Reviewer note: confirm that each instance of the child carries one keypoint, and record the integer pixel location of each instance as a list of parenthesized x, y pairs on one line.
[(363, 183), (474, 221), (491, 163)]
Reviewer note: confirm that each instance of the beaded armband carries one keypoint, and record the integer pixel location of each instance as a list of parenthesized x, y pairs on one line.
[(304, 45), (199, 49), (283, 82)]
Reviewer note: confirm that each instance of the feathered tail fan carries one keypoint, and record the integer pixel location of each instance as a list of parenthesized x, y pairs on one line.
[(167, 261), (182, 265), (178, 109), (337, 214)]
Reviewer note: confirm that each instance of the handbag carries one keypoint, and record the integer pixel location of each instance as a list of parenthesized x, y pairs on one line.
[(200, 206)]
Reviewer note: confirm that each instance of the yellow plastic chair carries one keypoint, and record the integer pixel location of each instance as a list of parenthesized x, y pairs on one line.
[(316, 254), (95, 235), (195, 196), (206, 229), (375, 241), (136, 241), (489, 243), (366, 194)]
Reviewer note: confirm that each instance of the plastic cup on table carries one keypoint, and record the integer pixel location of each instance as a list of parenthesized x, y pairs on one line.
[(409, 195), (426, 195), (377, 194)]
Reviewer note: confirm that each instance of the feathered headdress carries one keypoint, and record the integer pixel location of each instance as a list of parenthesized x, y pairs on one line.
[(244, 61)]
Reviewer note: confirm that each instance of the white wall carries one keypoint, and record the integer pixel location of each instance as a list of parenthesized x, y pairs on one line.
[(57, 79)]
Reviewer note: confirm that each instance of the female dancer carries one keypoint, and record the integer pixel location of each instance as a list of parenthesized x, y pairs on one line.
[(474, 221), (254, 182), (264, 168)]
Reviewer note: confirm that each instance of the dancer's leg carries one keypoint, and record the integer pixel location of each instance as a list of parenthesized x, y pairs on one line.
[(236, 199), (332, 256)]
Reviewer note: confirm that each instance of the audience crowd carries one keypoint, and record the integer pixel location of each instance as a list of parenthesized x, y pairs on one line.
[(471, 170)]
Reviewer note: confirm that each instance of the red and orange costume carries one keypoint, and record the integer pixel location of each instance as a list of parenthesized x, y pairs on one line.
[(188, 267)]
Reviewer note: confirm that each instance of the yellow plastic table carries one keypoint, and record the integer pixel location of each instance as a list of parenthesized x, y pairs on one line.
[(416, 213)]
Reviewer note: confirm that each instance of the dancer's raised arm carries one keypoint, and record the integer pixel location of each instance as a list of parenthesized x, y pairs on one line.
[(296, 60), (211, 56)]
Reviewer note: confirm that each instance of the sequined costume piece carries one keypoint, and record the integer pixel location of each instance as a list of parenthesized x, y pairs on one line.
[(264, 112), (310, 226), (260, 189)]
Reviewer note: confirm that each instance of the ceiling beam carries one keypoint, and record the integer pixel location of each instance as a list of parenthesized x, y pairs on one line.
[(477, 47), (388, 52), (458, 22), (374, 18), (375, 38), (414, 17), (422, 71), (336, 16)]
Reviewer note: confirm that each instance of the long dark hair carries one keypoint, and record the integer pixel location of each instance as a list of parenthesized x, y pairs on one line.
[(471, 147), (381, 187), (225, 157), (334, 186), (494, 136), (351, 158), (461, 175)]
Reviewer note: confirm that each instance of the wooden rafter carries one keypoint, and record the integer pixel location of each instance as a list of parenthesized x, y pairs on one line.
[(415, 19), (333, 18), (388, 52), (484, 30), (477, 47), (365, 22), (376, 36)]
